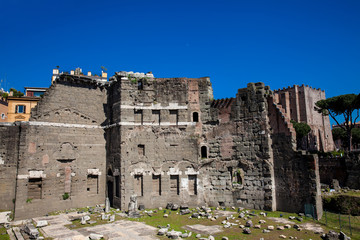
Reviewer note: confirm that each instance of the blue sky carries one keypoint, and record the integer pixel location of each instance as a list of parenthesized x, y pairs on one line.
[(281, 43)]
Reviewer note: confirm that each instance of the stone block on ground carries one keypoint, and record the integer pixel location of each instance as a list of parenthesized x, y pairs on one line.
[(184, 211), (41, 223), (175, 207), (30, 230), (169, 205), (249, 224), (184, 206), (94, 236), (162, 231)]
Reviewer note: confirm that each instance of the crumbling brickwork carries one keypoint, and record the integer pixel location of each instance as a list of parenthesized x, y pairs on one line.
[(298, 104), (162, 139)]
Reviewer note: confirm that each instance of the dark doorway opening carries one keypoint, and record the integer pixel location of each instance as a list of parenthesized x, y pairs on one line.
[(110, 188)]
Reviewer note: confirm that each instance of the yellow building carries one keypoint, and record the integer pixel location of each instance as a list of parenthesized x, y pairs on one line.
[(19, 108), (3, 109)]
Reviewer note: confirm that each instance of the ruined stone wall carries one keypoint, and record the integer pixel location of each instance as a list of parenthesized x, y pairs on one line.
[(296, 174), (159, 155), (62, 155), (252, 147), (297, 181), (333, 168), (238, 170), (353, 170), (164, 140), (345, 169), (9, 135)]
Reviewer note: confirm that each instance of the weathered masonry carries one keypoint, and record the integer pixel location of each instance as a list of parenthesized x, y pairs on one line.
[(163, 139)]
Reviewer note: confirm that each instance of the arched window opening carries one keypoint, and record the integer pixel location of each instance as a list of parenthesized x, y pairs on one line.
[(203, 152), (195, 117), (110, 173)]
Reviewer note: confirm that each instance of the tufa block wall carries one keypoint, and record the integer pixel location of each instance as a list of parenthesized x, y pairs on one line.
[(162, 139)]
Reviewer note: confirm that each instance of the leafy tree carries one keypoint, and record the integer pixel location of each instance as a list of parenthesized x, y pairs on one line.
[(340, 134), (344, 105), (16, 93), (355, 133), (5, 95), (302, 130)]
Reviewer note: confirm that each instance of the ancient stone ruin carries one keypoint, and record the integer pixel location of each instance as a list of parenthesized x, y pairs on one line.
[(163, 140)]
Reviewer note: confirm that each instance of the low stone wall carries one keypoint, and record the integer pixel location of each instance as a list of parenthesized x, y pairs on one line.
[(297, 183), (333, 168), (345, 169), (342, 204)]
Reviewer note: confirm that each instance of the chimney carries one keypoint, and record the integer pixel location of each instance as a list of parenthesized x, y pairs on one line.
[(89, 74), (103, 74), (72, 72)]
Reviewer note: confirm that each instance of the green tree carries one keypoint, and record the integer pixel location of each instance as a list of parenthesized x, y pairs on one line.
[(5, 95), (355, 133), (16, 93), (340, 134), (302, 130), (347, 106)]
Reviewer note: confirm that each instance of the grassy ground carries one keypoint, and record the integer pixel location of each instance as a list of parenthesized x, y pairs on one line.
[(330, 221), (177, 222), (343, 192), (3, 234), (348, 225)]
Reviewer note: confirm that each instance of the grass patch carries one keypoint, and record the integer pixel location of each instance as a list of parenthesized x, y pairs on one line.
[(177, 222), (331, 221), (345, 204), (3, 234)]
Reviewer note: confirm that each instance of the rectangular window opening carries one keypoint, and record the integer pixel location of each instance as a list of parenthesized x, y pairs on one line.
[(155, 117), (92, 184), (20, 109), (138, 185), (141, 149), (174, 185), (117, 186), (156, 184), (138, 116), (34, 188), (173, 117), (192, 179)]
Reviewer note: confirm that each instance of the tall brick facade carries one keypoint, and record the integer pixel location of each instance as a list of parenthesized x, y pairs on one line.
[(298, 103), (163, 139)]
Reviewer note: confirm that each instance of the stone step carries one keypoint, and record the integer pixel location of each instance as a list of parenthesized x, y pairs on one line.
[(17, 233), (11, 234)]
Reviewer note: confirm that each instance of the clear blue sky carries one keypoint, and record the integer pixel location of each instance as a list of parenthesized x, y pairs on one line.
[(281, 43)]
